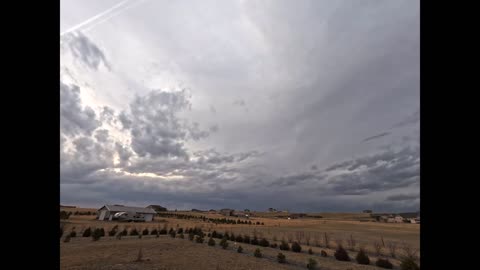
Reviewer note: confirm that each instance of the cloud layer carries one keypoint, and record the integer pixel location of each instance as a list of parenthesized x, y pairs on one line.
[(244, 105)]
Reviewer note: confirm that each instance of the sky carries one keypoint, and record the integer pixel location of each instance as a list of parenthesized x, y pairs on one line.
[(296, 105)]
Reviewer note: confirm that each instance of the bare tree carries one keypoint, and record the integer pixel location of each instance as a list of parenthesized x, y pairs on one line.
[(299, 236), (351, 243), (409, 251), (308, 236), (392, 247), (327, 240), (316, 239), (290, 237), (377, 246), (339, 241)]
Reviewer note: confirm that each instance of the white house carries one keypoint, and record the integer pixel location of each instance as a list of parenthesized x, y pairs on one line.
[(107, 212)]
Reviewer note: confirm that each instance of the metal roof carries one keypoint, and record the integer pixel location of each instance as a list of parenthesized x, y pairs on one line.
[(118, 208)]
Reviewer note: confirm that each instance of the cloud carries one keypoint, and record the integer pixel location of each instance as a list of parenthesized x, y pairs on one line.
[(376, 136), (403, 197), (74, 119), (84, 49)]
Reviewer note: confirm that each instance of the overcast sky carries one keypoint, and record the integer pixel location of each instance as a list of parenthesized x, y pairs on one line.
[(298, 105)]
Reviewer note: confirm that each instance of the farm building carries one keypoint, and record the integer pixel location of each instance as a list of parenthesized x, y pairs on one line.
[(107, 212), (227, 212), (157, 208)]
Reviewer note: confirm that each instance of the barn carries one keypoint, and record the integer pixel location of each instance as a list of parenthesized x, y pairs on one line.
[(107, 211)]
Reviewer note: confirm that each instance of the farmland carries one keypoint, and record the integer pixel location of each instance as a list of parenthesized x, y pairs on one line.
[(351, 230)]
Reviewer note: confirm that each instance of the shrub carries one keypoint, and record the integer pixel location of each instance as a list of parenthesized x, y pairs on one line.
[(124, 232), (281, 258), (239, 238), (163, 230), (312, 264), (232, 237), (323, 253), (199, 239), (296, 247), (257, 253), (341, 254), (254, 241), (384, 263), (87, 232), (67, 239), (284, 246), (408, 263), (101, 231), (214, 234), (246, 239), (239, 249), (154, 232), (310, 251), (134, 232), (180, 230), (224, 243), (362, 257), (263, 223), (145, 232), (274, 245), (264, 242), (211, 242), (113, 231), (73, 234), (97, 233), (173, 234)]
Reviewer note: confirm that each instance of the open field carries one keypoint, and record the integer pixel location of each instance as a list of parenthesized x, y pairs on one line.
[(169, 253)]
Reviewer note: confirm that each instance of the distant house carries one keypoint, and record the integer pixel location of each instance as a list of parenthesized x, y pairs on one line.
[(367, 211), (272, 210), (157, 208), (227, 212), (398, 219), (107, 212)]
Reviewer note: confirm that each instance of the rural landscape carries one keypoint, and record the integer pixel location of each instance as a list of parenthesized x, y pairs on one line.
[(238, 240), (239, 135)]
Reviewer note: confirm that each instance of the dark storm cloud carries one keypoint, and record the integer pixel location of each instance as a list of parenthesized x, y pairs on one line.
[(155, 126), (74, 119), (403, 197), (107, 115), (376, 136), (84, 49)]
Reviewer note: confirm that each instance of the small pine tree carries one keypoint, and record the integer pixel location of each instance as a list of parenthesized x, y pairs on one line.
[(134, 232), (87, 232), (124, 232), (264, 242), (101, 231), (384, 263), (341, 254), (312, 264), (199, 239), (145, 232), (310, 251), (284, 246), (73, 234), (408, 263), (239, 249), (239, 239), (254, 241), (296, 247), (224, 243), (163, 230), (362, 257), (281, 258), (180, 230), (257, 253), (97, 234), (323, 253), (154, 232), (67, 239), (173, 234), (214, 234), (211, 242)]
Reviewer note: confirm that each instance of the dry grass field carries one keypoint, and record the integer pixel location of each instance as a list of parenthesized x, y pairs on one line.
[(165, 252)]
